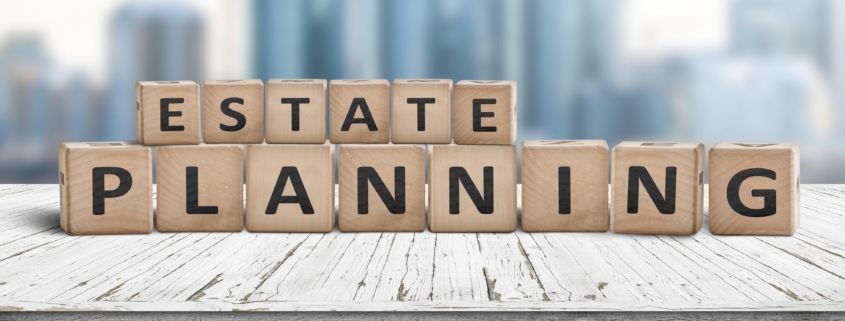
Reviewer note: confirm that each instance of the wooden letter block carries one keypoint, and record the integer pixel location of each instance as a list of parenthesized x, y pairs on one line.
[(754, 188), (200, 188), (382, 188), (472, 188), (485, 112), (421, 112), (360, 111), (106, 188), (657, 188), (167, 112), (233, 111), (290, 188), (296, 111), (564, 186)]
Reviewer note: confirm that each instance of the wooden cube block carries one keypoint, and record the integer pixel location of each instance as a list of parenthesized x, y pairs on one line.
[(472, 188), (290, 188), (421, 112), (564, 186), (360, 111), (233, 111), (167, 112), (382, 188), (106, 188), (200, 188), (485, 112), (657, 188), (754, 188), (296, 111)]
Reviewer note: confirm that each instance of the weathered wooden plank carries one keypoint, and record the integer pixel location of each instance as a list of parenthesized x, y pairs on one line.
[(105, 274), (458, 269), (407, 274), (507, 269), (427, 306), (236, 280)]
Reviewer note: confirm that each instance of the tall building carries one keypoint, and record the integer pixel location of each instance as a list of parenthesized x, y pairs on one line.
[(149, 41), (572, 65)]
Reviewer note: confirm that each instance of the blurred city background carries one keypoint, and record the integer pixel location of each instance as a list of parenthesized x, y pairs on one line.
[(679, 70)]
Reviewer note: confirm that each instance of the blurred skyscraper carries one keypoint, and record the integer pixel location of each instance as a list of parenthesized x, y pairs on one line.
[(149, 41)]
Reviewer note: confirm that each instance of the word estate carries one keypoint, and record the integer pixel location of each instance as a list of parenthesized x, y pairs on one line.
[(656, 187)]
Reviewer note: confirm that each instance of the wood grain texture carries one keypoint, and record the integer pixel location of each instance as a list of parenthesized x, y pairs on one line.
[(658, 158), (215, 92), (430, 315), (498, 112), (314, 169), (782, 160), (376, 94), (384, 160), (584, 165), (512, 274), (473, 159), (312, 115), (129, 212), (437, 117), (220, 183), (148, 101)]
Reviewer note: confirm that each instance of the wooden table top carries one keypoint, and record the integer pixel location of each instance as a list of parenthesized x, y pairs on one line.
[(44, 269)]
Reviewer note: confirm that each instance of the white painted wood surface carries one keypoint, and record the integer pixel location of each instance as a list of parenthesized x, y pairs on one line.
[(44, 269)]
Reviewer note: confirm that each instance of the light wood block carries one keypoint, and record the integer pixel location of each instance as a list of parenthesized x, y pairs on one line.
[(290, 188), (564, 186), (167, 112), (296, 111), (200, 188), (754, 188), (421, 111), (485, 112), (233, 111), (360, 111), (105, 188), (462, 181), (382, 188), (657, 188)]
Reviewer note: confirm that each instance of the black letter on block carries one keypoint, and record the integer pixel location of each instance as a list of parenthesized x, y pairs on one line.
[(769, 195), (483, 204), (365, 110), (301, 197), (192, 193), (99, 185), (564, 194), (477, 114), (165, 114), (420, 110), (294, 110), (394, 205), (224, 106), (664, 205)]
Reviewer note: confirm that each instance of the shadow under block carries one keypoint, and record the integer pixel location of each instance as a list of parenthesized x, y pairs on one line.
[(233, 111), (657, 188), (200, 188), (564, 186), (360, 111), (421, 111), (472, 188), (106, 188), (167, 112), (290, 188), (382, 188), (296, 111), (754, 188), (485, 112)]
